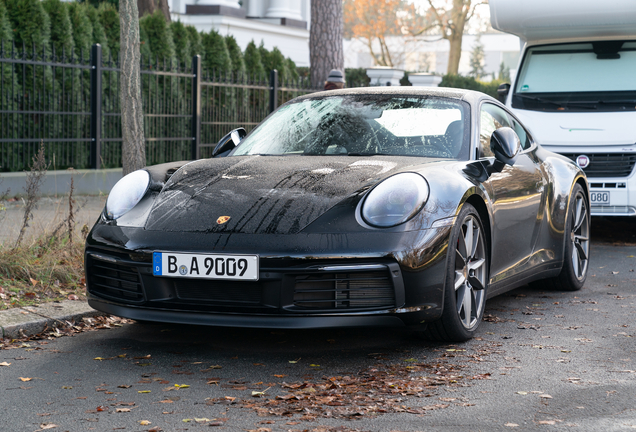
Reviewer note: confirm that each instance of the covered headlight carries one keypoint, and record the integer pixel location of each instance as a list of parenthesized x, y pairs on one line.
[(126, 193), (395, 200)]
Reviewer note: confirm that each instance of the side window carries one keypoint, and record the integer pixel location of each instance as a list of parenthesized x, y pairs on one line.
[(492, 117), (523, 135)]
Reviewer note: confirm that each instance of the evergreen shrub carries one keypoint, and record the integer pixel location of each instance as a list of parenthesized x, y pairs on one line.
[(216, 58), (458, 81), (181, 42), (109, 19), (253, 62)]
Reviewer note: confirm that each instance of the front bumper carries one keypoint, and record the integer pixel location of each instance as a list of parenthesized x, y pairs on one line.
[(612, 177), (386, 279)]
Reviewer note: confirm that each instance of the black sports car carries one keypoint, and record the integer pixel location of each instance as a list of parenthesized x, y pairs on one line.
[(384, 206)]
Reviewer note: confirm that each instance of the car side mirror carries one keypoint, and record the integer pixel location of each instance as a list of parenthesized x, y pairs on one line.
[(502, 92), (505, 145), (228, 142)]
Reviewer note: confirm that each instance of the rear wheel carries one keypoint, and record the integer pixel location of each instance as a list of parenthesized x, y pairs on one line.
[(577, 245), (466, 281)]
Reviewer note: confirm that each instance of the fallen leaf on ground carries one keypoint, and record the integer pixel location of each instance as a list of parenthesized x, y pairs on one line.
[(9, 364), (25, 379), (145, 422), (545, 396), (511, 425), (45, 426), (546, 422)]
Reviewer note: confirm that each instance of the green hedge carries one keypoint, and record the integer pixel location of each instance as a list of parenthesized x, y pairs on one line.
[(458, 81)]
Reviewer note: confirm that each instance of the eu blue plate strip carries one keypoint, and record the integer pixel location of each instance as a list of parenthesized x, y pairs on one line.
[(156, 263)]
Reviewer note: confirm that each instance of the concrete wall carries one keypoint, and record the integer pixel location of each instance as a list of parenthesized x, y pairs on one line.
[(85, 182)]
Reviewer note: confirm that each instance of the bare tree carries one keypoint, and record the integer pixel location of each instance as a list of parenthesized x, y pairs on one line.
[(450, 20), (150, 6), (132, 118), (325, 40)]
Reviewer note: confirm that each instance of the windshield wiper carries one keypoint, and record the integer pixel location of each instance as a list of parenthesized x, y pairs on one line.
[(538, 99), (582, 104)]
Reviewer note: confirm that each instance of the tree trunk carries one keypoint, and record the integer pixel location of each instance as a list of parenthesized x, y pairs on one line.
[(454, 54), (132, 118), (459, 14), (325, 40), (150, 6)]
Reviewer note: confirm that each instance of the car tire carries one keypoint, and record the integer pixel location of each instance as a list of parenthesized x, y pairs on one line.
[(466, 281), (577, 246)]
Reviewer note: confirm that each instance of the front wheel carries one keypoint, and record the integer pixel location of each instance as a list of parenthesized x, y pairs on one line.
[(466, 281)]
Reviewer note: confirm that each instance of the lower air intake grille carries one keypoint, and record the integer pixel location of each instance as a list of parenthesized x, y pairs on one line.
[(364, 290), (115, 280), (607, 164), (228, 293)]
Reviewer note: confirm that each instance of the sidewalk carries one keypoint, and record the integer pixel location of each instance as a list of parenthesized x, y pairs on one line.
[(31, 320)]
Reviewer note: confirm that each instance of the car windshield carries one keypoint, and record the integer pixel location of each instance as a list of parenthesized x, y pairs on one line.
[(578, 76), (364, 125)]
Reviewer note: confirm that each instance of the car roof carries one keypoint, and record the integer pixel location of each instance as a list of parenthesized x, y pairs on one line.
[(469, 96)]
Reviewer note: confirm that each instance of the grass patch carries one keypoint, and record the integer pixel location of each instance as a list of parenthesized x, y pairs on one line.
[(50, 267)]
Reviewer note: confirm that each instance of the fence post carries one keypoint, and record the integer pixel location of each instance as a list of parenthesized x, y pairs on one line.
[(196, 106), (273, 90), (96, 106)]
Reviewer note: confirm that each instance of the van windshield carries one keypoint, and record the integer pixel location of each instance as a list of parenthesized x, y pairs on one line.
[(578, 77)]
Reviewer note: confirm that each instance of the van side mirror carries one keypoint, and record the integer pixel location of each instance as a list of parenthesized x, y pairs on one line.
[(228, 142), (505, 145), (502, 92)]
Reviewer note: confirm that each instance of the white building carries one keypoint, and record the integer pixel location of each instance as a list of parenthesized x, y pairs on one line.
[(278, 23)]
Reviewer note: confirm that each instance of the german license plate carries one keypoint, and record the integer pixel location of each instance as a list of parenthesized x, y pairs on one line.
[(205, 266), (600, 197)]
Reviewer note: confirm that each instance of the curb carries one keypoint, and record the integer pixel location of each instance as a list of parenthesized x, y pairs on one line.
[(31, 320)]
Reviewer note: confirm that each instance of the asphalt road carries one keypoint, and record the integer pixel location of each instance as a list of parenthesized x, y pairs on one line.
[(542, 361)]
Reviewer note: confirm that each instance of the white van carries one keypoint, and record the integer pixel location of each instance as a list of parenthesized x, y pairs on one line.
[(575, 88)]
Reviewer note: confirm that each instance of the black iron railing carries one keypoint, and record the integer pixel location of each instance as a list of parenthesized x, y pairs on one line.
[(71, 105)]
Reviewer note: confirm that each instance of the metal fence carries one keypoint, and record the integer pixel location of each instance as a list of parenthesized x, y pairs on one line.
[(71, 106)]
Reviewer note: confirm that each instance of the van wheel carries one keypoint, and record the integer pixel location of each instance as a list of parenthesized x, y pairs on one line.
[(577, 246)]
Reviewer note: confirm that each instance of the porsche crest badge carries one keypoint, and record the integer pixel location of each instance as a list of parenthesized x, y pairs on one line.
[(222, 219)]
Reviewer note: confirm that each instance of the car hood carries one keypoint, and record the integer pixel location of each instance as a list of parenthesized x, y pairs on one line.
[(265, 194), (580, 128)]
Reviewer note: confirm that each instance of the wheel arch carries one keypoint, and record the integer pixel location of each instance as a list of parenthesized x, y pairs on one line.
[(482, 210)]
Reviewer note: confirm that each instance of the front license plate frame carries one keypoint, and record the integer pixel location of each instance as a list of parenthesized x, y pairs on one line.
[(205, 266), (600, 197)]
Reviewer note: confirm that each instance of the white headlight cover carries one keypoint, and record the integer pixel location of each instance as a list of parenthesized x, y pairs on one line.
[(395, 200), (126, 193)]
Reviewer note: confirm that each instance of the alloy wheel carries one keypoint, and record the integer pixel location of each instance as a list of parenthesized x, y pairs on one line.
[(470, 273), (580, 236)]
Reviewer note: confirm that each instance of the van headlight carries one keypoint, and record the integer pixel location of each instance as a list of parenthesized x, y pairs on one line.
[(126, 193), (395, 200)]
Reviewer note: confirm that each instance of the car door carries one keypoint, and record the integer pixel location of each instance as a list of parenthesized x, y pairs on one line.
[(517, 198)]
